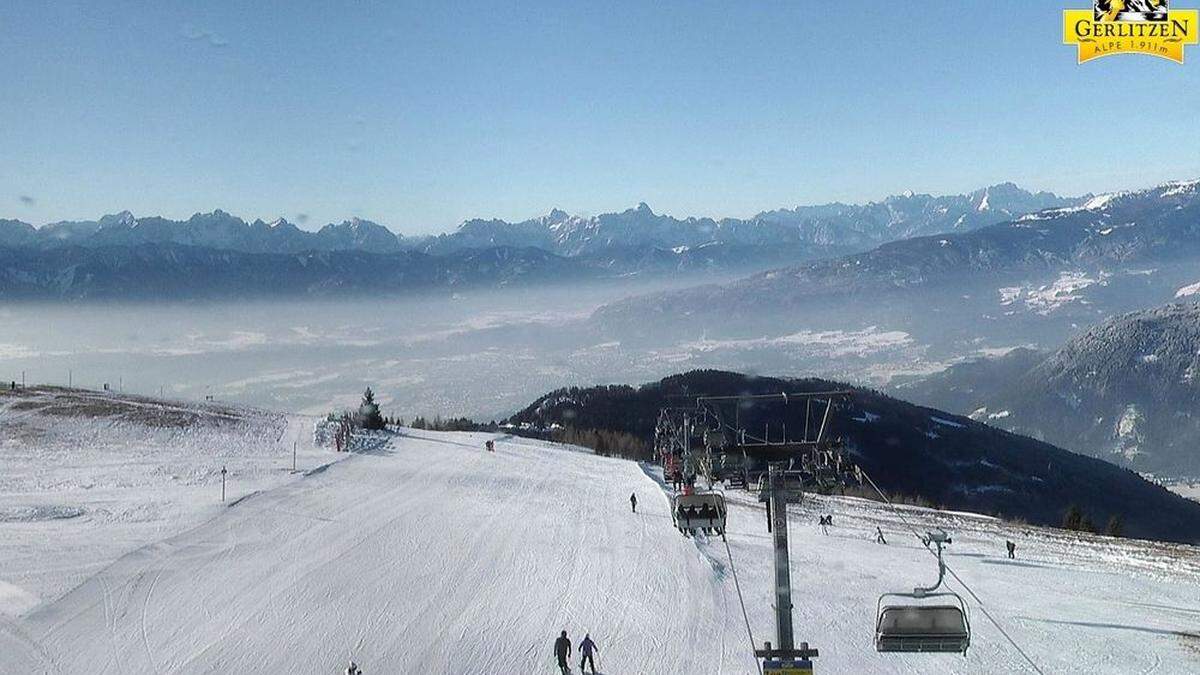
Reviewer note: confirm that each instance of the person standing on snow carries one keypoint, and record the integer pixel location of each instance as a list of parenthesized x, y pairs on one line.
[(586, 648), (633, 501), (562, 652), (1012, 549)]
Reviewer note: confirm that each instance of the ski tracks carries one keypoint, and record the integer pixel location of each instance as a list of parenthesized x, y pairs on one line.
[(145, 605)]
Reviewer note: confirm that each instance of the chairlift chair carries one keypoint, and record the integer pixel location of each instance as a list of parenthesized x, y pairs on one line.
[(686, 510), (917, 625)]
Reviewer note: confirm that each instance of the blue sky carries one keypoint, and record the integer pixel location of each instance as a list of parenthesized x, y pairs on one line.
[(419, 115)]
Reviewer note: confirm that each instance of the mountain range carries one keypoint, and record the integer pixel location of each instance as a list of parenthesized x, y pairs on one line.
[(829, 227), (176, 272), (61, 256), (1126, 390), (1107, 243), (215, 230), (950, 460)]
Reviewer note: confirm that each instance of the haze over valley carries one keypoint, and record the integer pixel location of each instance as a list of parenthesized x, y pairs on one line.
[(504, 331)]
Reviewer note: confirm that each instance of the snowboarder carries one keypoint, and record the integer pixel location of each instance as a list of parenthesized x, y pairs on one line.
[(879, 536), (1012, 549), (562, 652), (586, 648), (633, 501)]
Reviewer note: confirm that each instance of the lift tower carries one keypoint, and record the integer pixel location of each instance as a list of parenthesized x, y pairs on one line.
[(701, 440), (781, 488)]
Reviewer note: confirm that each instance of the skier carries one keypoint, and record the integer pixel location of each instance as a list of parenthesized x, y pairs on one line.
[(707, 514), (633, 501), (1012, 548), (586, 648), (353, 669), (824, 525), (879, 536), (562, 652)]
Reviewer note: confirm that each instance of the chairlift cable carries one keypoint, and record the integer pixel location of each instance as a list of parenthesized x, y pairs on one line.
[(954, 574), (742, 602)]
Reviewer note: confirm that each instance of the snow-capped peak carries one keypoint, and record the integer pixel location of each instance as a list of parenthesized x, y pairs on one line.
[(1179, 187), (1099, 201), (983, 203), (122, 219)]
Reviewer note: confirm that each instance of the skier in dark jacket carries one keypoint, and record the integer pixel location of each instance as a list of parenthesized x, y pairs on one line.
[(633, 501), (562, 652), (586, 648), (1012, 549)]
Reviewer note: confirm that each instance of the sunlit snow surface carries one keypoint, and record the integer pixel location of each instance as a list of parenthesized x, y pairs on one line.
[(77, 463), (430, 555)]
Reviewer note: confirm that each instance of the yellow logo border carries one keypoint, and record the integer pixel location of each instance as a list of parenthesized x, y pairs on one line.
[(1164, 39)]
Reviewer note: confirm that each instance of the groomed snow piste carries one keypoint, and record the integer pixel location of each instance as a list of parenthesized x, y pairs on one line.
[(429, 555)]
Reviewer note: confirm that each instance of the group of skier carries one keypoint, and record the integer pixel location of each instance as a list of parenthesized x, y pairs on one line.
[(707, 513), (825, 522), (587, 652)]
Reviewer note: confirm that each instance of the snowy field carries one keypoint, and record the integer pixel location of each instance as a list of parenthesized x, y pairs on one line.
[(428, 555), (86, 477)]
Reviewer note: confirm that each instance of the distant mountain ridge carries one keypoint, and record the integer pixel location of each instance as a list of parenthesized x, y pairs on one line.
[(1144, 227), (216, 230), (102, 258), (830, 227), (823, 229), (177, 272), (1126, 390)]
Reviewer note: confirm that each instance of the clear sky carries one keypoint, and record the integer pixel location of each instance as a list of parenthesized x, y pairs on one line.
[(419, 115)]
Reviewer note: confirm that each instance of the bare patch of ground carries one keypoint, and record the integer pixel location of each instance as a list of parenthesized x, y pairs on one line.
[(63, 402)]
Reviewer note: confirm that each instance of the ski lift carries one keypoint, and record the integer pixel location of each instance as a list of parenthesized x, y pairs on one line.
[(699, 511), (922, 626)]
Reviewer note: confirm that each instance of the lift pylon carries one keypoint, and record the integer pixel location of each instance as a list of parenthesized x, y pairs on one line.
[(784, 658)]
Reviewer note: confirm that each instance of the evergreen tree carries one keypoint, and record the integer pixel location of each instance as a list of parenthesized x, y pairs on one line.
[(368, 412)]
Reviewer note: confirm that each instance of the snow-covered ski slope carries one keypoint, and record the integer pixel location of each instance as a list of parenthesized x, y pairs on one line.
[(429, 555)]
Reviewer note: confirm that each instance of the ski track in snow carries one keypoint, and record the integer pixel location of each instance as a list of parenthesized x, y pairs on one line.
[(430, 555)]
